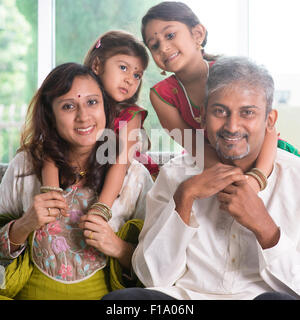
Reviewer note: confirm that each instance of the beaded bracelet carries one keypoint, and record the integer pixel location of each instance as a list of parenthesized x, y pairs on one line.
[(45, 189), (259, 176)]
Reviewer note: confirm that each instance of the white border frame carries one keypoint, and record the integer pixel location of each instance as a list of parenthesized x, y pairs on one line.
[(244, 27), (46, 38)]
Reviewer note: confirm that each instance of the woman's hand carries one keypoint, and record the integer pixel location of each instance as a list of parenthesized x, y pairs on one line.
[(45, 208), (100, 235)]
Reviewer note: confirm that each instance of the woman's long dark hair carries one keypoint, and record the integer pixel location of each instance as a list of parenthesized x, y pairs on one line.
[(174, 11), (40, 138)]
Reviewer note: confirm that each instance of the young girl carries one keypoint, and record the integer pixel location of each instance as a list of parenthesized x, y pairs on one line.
[(176, 40), (119, 60)]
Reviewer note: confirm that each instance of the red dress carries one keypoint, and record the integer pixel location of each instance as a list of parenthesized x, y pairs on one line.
[(126, 115), (170, 91)]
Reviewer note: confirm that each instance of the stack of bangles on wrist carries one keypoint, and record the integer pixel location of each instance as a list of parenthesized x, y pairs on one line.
[(259, 176), (102, 210), (45, 189)]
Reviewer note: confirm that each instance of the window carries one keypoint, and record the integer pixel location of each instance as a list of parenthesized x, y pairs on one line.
[(36, 35), (274, 42), (18, 69)]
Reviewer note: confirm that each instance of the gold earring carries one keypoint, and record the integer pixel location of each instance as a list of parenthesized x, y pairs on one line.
[(163, 73), (199, 46)]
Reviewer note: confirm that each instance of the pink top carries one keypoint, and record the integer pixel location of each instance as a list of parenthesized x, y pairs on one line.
[(59, 249)]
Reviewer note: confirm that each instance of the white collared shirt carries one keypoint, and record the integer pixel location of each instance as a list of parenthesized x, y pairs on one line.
[(215, 257)]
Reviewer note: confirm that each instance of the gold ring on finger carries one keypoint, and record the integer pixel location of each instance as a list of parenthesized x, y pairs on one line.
[(91, 235), (49, 212)]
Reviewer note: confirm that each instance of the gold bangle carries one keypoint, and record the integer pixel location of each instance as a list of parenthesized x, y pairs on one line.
[(101, 214), (262, 183), (45, 189), (15, 244), (261, 175), (102, 210), (101, 205)]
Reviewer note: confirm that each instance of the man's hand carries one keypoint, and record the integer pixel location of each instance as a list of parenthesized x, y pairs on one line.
[(204, 185), (243, 204)]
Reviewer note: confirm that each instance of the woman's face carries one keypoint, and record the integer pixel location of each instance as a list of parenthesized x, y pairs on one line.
[(79, 114)]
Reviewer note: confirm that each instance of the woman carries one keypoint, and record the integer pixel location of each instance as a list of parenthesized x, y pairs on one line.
[(67, 248)]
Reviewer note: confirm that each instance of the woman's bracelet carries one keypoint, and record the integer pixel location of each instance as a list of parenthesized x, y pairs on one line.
[(16, 244), (259, 176), (45, 189), (101, 209)]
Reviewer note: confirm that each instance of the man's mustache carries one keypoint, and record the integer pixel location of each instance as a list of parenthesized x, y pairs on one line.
[(227, 134)]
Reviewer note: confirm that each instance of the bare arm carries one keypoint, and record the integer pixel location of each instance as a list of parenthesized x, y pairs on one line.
[(104, 239), (266, 157), (171, 119), (50, 174), (268, 152), (116, 173)]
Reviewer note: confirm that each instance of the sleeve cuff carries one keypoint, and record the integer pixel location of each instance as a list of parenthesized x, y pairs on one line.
[(16, 253), (282, 247)]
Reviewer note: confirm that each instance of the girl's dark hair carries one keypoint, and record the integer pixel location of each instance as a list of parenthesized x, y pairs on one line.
[(174, 11), (117, 42), (40, 138)]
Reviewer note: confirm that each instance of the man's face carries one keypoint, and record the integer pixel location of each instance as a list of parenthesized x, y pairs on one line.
[(236, 122)]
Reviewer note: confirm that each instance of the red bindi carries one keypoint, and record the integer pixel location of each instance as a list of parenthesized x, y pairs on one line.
[(79, 96)]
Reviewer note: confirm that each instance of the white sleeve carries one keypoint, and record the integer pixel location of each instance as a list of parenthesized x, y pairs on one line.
[(131, 203), (11, 188), (280, 265), (160, 257)]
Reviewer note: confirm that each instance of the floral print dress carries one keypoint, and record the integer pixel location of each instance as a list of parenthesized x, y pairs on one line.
[(59, 249)]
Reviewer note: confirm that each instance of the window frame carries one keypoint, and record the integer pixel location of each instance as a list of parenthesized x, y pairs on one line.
[(46, 35), (46, 38)]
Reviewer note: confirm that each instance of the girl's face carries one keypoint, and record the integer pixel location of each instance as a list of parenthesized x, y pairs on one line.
[(171, 44), (121, 76), (79, 114)]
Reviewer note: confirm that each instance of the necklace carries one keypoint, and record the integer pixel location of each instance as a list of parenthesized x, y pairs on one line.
[(197, 119), (81, 172)]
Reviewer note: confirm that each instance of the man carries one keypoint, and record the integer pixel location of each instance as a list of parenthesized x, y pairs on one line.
[(210, 236)]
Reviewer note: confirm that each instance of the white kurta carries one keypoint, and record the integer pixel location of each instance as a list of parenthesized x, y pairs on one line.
[(215, 257)]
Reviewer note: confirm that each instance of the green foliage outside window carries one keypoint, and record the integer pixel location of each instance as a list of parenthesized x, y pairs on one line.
[(80, 22), (18, 69)]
